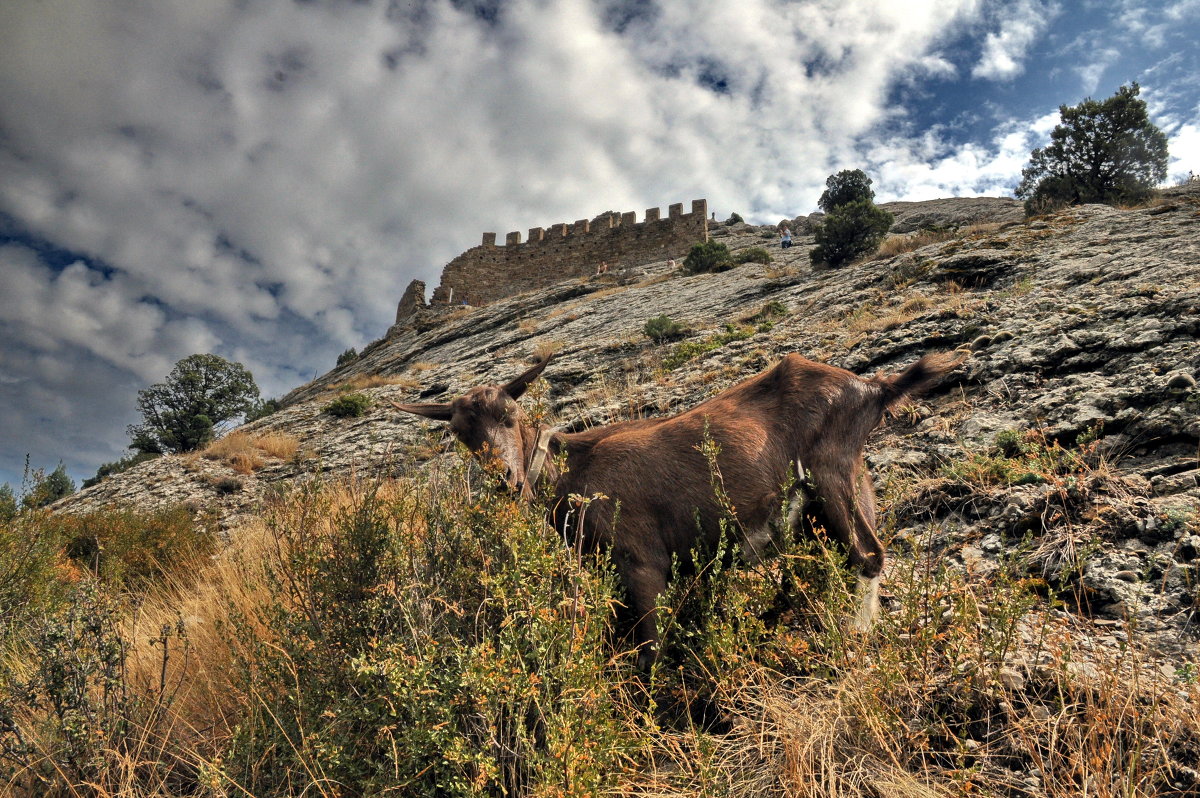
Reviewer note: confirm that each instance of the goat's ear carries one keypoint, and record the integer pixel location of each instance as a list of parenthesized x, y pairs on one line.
[(438, 412), (518, 386)]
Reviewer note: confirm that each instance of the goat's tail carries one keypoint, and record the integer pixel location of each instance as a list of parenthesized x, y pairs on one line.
[(919, 377)]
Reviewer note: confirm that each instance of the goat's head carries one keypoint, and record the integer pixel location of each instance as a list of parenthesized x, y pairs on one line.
[(490, 423)]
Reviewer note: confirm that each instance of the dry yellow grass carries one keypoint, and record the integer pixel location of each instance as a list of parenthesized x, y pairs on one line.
[(246, 462), (224, 588), (543, 349), (1149, 202), (278, 445), (218, 595), (226, 447), (244, 452), (655, 279), (982, 229), (611, 291), (364, 381), (907, 242)]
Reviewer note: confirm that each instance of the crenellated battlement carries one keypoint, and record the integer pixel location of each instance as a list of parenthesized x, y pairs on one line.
[(489, 272)]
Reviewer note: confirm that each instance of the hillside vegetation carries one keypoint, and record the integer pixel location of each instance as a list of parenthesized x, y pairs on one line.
[(342, 605)]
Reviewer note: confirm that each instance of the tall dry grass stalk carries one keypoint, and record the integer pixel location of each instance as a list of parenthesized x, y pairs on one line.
[(214, 593)]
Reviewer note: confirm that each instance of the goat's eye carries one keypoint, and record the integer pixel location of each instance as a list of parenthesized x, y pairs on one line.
[(509, 421)]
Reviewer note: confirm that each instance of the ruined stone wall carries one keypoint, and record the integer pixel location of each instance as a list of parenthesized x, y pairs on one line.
[(489, 272)]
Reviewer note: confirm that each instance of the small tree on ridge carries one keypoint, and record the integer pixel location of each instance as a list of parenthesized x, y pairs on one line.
[(201, 393), (853, 225), (848, 185), (1102, 151)]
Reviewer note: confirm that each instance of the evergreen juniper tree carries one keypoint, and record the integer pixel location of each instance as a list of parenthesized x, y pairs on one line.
[(1102, 151), (201, 393)]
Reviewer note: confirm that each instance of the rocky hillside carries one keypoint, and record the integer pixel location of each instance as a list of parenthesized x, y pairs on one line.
[(1072, 431)]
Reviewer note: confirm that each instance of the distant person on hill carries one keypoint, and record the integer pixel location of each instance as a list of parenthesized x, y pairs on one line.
[(785, 237), (602, 268)]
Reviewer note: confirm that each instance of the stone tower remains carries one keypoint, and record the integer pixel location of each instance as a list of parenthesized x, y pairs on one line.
[(489, 272)]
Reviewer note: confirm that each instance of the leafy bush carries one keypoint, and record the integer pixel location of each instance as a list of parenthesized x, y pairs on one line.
[(129, 547), (31, 579), (94, 731), (117, 466), (850, 231), (48, 488), (662, 328), (765, 317), (444, 643), (351, 405), (689, 350), (349, 356), (753, 255), (1029, 457), (8, 503), (710, 256), (262, 409), (734, 218)]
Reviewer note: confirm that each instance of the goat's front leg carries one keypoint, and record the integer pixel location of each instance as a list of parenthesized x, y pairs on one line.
[(644, 584)]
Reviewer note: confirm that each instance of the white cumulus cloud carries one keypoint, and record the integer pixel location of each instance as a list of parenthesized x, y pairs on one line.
[(1004, 50)]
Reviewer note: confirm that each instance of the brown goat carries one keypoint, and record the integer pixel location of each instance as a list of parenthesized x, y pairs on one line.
[(799, 423)]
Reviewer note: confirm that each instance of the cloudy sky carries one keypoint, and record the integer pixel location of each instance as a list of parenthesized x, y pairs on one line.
[(261, 179)]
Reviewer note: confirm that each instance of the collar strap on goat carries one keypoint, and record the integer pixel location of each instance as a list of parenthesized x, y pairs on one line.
[(540, 449)]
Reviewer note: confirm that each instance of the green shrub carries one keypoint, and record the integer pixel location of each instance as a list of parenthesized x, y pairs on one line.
[(710, 256), (1029, 457), (351, 405), (130, 547), (8, 503), (349, 356), (30, 577), (48, 488), (117, 466), (753, 255), (734, 218), (262, 409), (662, 328), (766, 317), (88, 723), (773, 309), (690, 350), (436, 641), (848, 232), (1010, 442)]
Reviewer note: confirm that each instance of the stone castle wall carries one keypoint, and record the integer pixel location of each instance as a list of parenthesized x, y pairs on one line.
[(490, 272)]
